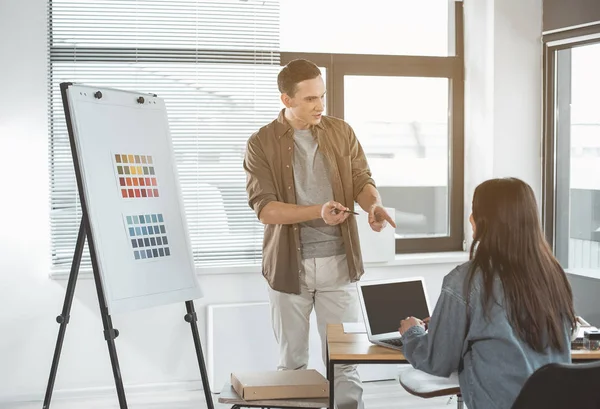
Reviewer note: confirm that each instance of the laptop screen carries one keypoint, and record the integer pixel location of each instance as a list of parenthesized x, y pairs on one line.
[(387, 304)]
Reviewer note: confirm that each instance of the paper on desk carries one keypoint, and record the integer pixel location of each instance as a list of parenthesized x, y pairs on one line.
[(354, 327)]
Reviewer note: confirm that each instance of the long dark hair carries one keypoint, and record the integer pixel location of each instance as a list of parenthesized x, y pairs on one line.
[(509, 243)]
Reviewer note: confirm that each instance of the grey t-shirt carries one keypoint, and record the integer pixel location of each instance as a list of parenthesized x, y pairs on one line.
[(311, 180)]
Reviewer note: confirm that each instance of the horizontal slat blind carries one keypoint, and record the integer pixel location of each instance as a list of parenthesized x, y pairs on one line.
[(214, 62)]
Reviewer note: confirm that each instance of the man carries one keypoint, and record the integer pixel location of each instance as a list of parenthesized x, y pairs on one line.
[(304, 173)]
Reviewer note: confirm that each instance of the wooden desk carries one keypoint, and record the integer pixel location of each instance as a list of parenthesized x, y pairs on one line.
[(354, 348), (357, 349), (581, 355)]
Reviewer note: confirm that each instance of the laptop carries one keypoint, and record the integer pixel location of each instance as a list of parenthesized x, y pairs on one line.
[(384, 303)]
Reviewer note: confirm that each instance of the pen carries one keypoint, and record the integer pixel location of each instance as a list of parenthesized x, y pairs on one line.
[(345, 211)]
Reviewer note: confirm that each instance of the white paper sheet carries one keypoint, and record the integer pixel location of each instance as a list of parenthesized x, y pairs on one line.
[(354, 327)]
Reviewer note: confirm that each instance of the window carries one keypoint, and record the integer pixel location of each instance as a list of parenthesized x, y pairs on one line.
[(215, 63), (572, 146), (407, 112), (383, 27), (403, 125)]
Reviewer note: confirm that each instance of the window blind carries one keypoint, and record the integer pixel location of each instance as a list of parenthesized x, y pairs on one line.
[(214, 62)]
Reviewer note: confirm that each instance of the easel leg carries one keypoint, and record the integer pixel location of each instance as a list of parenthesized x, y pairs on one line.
[(192, 318), (109, 332), (63, 318)]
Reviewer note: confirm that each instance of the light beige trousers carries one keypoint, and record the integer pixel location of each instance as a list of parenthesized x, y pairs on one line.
[(325, 286)]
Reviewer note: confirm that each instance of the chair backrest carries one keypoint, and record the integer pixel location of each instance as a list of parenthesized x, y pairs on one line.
[(559, 386)]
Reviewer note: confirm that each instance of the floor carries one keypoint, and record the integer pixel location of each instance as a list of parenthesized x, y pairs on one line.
[(377, 395)]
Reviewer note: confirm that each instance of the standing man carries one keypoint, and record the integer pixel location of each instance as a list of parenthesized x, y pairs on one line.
[(304, 173)]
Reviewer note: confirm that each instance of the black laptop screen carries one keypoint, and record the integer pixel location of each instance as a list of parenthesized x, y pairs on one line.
[(387, 304)]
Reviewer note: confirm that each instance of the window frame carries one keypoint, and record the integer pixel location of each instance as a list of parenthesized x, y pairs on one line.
[(449, 67), (557, 79)]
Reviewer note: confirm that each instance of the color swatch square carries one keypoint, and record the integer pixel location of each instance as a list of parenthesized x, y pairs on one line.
[(147, 234), (135, 170)]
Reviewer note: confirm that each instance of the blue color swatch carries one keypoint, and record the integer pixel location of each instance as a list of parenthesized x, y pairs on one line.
[(148, 237)]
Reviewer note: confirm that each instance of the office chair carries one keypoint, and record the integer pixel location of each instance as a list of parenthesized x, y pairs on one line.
[(424, 385), (559, 386)]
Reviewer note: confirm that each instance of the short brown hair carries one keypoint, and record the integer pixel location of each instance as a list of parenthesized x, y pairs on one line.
[(295, 72)]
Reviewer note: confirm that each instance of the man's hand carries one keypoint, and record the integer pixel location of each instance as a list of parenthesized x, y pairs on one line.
[(333, 213), (379, 218), (410, 322)]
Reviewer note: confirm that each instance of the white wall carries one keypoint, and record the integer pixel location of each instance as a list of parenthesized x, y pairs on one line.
[(503, 93), (479, 98), (155, 345), (518, 90)]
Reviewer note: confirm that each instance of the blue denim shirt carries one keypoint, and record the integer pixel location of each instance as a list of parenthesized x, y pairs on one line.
[(491, 360)]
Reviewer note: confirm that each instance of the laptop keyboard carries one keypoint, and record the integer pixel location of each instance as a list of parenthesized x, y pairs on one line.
[(394, 341)]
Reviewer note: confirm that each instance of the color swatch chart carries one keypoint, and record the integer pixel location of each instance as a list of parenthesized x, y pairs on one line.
[(136, 175), (148, 236)]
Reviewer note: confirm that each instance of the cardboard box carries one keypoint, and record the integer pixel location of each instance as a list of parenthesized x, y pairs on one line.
[(299, 384)]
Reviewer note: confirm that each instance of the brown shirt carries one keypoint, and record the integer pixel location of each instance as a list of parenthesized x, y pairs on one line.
[(268, 164)]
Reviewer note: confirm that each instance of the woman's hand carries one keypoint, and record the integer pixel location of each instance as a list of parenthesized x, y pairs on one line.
[(410, 322)]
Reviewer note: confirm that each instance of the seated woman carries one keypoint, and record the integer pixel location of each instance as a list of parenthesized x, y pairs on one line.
[(506, 312)]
